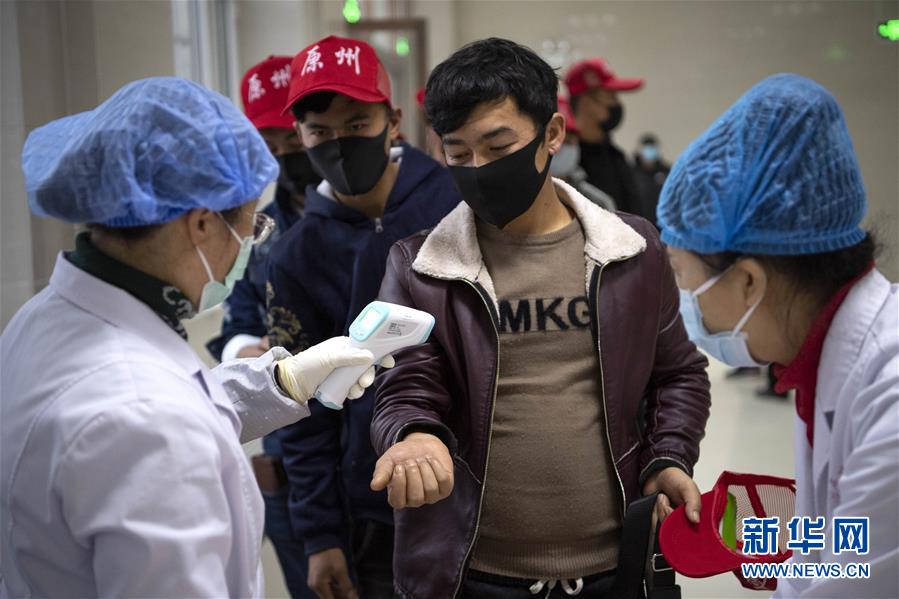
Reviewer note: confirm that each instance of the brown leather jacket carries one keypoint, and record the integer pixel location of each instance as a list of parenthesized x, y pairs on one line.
[(654, 383)]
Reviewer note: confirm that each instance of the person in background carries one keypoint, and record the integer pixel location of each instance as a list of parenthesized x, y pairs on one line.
[(762, 218), (263, 91), (566, 162), (593, 92), (512, 440), (433, 145), (322, 273), (650, 172)]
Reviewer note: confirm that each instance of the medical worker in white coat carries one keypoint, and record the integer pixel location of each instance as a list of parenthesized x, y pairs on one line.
[(762, 217), (122, 470)]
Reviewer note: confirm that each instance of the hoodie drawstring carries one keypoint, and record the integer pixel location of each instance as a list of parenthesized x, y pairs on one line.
[(550, 584)]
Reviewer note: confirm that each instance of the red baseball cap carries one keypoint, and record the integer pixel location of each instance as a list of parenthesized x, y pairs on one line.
[(715, 545), (338, 64), (565, 109), (596, 73), (263, 91)]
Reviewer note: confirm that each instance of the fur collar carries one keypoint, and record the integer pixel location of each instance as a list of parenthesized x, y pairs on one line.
[(451, 251)]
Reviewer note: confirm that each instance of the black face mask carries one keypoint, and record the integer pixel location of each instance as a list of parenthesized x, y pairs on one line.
[(616, 113), (296, 173), (352, 165), (505, 189)]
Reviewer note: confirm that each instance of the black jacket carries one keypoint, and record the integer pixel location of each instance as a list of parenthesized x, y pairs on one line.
[(322, 273), (608, 169)]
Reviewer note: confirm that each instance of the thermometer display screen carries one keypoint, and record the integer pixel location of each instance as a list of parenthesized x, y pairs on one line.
[(370, 320)]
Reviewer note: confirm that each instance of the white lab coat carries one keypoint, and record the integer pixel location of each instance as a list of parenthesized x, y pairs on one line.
[(853, 468), (122, 473)]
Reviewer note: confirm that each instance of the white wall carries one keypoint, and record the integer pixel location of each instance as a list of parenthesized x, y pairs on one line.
[(133, 40), (60, 58), (15, 241), (274, 27)]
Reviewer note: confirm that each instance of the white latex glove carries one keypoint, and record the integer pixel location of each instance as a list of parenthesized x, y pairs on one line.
[(300, 375), (368, 377)]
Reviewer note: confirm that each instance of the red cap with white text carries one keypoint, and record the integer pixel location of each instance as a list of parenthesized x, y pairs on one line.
[(263, 90), (342, 65)]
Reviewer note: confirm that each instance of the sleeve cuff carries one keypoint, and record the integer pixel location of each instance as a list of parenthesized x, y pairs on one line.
[(323, 542), (237, 343), (659, 464), (260, 404), (439, 430)]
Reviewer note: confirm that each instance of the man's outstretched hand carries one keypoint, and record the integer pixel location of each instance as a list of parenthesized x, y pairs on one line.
[(416, 471)]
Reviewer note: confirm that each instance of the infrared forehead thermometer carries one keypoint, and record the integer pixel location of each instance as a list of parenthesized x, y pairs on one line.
[(382, 329)]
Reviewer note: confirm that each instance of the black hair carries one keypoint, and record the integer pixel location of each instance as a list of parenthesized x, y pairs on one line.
[(821, 275), (318, 103), (134, 234), (649, 138), (490, 70)]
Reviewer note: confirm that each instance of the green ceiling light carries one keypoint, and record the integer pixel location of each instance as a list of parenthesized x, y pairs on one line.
[(351, 11), (402, 46), (889, 30)]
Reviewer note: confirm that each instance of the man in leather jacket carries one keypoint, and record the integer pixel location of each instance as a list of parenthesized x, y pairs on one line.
[(559, 383)]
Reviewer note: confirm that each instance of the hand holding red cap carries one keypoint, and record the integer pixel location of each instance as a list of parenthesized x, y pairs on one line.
[(699, 550), (675, 488)]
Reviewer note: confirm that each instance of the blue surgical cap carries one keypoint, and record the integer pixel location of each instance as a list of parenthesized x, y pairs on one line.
[(156, 149), (776, 174)]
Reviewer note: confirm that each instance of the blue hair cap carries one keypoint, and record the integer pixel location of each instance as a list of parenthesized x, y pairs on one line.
[(156, 149), (776, 174)]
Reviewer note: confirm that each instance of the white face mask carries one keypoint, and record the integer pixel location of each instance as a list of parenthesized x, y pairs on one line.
[(566, 160), (729, 347), (215, 293)]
